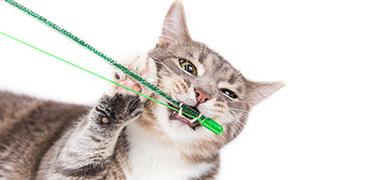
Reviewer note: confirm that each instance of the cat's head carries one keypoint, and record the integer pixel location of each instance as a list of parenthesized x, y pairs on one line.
[(197, 76)]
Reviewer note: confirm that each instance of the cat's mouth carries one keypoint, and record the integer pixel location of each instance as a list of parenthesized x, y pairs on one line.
[(174, 116)]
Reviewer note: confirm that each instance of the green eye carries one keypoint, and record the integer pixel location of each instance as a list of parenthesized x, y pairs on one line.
[(188, 66), (229, 93)]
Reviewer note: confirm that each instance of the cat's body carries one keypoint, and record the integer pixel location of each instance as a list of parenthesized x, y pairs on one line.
[(34, 131), (127, 137)]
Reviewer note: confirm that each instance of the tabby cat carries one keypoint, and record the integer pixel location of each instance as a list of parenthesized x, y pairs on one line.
[(128, 137)]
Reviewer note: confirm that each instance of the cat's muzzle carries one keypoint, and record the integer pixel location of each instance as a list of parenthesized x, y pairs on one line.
[(178, 116)]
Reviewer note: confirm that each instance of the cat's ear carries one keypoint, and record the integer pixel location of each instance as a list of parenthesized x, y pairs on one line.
[(259, 91), (174, 29)]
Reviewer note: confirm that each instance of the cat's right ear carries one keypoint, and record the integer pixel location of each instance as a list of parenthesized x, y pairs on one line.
[(174, 29), (259, 91)]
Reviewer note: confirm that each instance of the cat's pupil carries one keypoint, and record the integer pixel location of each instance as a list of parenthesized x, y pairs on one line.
[(188, 66), (229, 93)]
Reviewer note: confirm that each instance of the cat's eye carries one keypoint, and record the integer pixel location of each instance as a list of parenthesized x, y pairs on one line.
[(188, 66), (229, 93)]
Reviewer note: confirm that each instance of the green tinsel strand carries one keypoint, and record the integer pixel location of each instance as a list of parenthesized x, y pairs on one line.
[(186, 110)]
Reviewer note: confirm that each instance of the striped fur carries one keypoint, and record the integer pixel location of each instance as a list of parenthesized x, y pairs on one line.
[(127, 137)]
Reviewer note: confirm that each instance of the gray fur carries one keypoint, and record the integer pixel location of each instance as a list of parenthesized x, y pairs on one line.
[(42, 139)]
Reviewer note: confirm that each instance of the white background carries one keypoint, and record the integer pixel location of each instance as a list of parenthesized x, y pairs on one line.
[(327, 123)]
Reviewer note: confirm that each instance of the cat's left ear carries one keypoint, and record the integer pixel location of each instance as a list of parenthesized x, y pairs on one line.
[(174, 29), (259, 91)]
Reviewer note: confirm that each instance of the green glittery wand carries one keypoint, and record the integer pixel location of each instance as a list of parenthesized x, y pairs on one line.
[(183, 109)]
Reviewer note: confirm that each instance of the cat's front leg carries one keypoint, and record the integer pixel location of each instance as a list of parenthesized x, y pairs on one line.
[(90, 147)]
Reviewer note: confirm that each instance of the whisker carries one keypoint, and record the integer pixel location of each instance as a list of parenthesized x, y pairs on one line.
[(238, 120), (163, 64), (233, 128), (238, 110), (241, 102)]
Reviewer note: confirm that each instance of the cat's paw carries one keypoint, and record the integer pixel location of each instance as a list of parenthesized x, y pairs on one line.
[(143, 66), (118, 108)]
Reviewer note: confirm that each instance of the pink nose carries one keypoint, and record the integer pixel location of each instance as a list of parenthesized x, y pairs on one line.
[(201, 96)]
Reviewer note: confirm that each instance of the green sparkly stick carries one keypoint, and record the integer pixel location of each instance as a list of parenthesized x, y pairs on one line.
[(208, 123)]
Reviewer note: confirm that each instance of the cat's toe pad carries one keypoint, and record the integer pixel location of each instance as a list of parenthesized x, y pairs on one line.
[(118, 108)]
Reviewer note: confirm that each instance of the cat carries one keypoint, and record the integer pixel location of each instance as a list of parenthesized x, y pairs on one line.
[(125, 136)]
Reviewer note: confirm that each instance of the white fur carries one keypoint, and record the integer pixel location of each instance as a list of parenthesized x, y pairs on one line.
[(151, 159)]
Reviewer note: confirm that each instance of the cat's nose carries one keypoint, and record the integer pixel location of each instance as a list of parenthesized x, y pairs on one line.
[(201, 96)]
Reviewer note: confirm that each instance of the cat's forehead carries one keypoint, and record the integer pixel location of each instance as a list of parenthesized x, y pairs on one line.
[(214, 65)]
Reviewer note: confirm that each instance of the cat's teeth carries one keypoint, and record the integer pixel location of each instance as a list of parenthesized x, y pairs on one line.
[(192, 120)]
